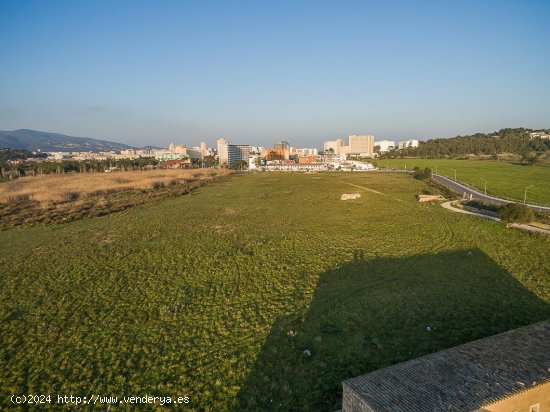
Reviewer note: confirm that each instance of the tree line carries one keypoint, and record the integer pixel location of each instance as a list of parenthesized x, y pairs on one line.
[(33, 167), (517, 141)]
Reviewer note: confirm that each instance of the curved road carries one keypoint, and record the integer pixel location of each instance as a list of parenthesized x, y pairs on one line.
[(460, 189)]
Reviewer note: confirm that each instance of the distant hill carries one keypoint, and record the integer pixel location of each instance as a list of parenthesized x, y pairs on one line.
[(517, 141), (55, 142)]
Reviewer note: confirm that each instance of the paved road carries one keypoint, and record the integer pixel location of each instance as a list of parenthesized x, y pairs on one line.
[(460, 189), (527, 228)]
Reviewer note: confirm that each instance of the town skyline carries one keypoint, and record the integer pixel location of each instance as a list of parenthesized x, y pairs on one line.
[(142, 74)]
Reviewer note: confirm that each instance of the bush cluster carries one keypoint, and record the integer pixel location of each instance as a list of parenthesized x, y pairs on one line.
[(422, 174), (516, 213)]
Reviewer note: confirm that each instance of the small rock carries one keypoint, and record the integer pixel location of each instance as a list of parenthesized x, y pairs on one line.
[(307, 352), (350, 196)]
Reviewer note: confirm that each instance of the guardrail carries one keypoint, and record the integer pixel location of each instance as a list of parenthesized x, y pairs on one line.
[(480, 191), (477, 189)]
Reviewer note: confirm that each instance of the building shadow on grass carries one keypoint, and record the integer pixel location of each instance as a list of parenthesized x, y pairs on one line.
[(366, 315)]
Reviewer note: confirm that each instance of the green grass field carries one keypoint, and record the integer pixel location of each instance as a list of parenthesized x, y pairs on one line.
[(504, 179), (216, 295)]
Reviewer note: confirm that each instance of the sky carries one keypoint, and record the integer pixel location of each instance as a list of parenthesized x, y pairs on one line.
[(153, 72)]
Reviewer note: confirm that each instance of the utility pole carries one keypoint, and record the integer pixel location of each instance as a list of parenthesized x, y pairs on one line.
[(485, 180), (455, 173), (525, 194), (435, 169)]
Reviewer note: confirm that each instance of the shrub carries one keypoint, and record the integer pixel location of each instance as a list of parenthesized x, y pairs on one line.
[(422, 175), (516, 213)]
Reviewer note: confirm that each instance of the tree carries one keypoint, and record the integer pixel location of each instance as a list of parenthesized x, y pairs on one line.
[(272, 155), (516, 213), (422, 175), (209, 161), (241, 164)]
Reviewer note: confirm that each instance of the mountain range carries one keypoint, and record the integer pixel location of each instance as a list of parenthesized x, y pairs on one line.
[(55, 142)]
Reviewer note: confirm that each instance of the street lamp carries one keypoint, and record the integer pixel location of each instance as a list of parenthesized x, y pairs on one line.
[(455, 173), (525, 194), (485, 180)]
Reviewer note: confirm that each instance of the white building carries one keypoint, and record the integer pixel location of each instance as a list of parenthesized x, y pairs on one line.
[(408, 143), (305, 151), (385, 145), (285, 166), (541, 135), (335, 145), (361, 145), (223, 155), (363, 166)]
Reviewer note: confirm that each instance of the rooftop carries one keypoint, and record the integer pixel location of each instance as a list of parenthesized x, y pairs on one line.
[(464, 378)]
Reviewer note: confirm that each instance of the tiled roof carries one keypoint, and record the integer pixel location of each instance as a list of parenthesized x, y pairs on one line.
[(464, 378)]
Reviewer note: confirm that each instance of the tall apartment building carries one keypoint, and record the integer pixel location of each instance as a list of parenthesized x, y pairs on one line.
[(360, 145), (203, 149), (223, 157), (335, 145), (237, 153)]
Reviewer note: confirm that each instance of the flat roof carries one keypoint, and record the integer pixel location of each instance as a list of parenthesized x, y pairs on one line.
[(463, 378)]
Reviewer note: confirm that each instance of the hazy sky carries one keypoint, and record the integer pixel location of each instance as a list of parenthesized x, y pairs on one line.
[(256, 72)]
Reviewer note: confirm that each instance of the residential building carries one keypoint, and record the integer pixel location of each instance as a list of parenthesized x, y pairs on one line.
[(277, 153), (180, 149), (541, 135), (307, 159), (385, 145), (361, 145), (223, 156), (237, 153), (408, 143), (281, 149), (305, 151), (175, 164), (287, 166), (167, 155), (505, 372), (335, 145)]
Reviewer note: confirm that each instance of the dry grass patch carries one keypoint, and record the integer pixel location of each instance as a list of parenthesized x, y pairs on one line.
[(63, 198), (70, 187)]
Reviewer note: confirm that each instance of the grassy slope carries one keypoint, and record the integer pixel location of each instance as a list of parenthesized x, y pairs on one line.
[(195, 295), (503, 179)]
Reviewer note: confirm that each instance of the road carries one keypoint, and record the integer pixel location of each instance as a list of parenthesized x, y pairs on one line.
[(527, 228), (460, 189)]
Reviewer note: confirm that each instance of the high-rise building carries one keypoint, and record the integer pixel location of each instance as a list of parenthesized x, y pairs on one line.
[(203, 149), (237, 153), (280, 150), (223, 157), (362, 145), (335, 145)]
